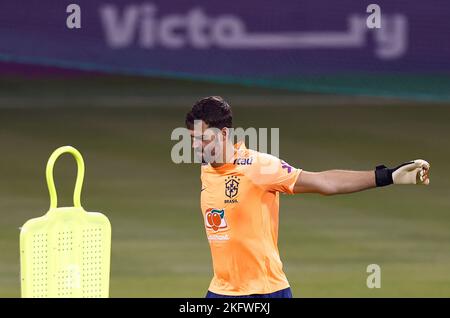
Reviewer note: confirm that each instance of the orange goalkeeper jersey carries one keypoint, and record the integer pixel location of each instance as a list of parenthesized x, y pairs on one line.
[(240, 203)]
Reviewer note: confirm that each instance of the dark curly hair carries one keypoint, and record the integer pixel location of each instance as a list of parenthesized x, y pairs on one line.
[(213, 110)]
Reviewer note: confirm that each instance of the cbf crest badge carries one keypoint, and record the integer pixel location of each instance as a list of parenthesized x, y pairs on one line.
[(231, 187)]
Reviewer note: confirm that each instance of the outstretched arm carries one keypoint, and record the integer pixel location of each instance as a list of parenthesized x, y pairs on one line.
[(334, 182), (346, 181)]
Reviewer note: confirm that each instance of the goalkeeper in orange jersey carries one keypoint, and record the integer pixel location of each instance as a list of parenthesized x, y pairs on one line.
[(240, 201)]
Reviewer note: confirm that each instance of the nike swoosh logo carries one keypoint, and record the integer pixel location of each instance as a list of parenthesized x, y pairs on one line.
[(202, 189)]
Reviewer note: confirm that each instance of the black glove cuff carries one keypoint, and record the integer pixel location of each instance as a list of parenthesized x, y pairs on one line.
[(383, 176)]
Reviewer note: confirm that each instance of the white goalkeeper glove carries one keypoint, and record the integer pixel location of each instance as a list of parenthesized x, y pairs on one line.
[(413, 172)]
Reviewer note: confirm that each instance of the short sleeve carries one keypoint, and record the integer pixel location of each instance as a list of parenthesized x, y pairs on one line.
[(275, 174)]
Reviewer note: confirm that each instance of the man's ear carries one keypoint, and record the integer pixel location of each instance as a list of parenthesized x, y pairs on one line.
[(225, 132)]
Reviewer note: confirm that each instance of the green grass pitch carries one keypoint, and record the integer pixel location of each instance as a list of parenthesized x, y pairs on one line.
[(159, 246)]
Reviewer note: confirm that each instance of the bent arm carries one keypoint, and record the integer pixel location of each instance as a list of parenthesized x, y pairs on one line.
[(334, 182)]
